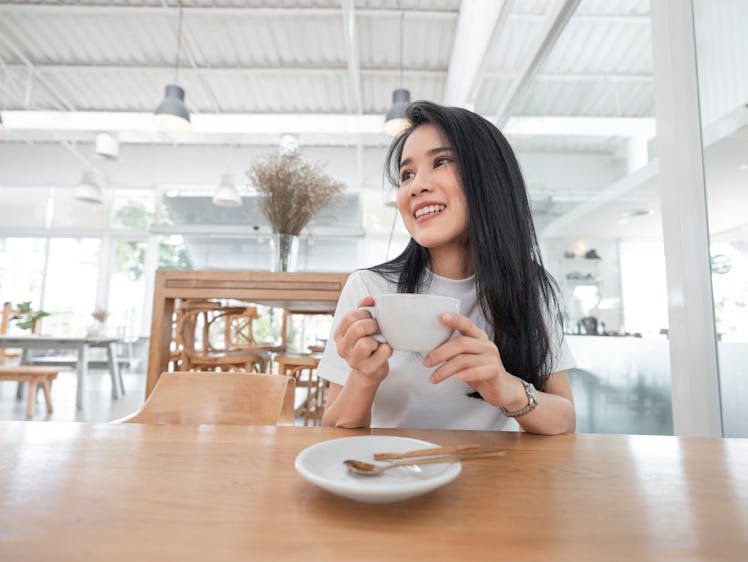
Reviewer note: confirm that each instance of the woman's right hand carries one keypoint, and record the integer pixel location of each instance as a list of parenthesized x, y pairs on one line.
[(364, 355)]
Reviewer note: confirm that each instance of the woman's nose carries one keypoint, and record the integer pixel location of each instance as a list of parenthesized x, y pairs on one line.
[(421, 184)]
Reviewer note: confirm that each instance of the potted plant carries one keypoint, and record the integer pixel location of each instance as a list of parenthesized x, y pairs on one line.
[(290, 192), (26, 318)]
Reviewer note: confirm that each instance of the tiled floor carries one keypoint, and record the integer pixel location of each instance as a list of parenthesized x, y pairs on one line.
[(98, 404)]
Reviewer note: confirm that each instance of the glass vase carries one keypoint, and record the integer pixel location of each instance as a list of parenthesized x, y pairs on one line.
[(284, 249)]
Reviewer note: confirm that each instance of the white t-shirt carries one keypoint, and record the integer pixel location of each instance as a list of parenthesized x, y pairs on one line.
[(405, 398)]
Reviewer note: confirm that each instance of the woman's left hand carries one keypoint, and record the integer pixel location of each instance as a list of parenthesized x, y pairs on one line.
[(472, 358)]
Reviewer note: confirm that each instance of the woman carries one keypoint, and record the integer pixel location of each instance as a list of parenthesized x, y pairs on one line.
[(463, 201)]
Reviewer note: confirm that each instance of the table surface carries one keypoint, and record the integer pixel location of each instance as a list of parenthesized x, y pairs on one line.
[(137, 492)]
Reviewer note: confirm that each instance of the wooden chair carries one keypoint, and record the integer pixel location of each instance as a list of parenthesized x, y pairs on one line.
[(288, 361), (8, 313), (313, 406), (203, 340), (218, 398)]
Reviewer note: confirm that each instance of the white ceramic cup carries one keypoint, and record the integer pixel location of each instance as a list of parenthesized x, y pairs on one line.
[(410, 322)]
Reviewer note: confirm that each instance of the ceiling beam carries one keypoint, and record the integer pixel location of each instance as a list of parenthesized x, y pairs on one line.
[(274, 123), (476, 26), (67, 104), (230, 10), (351, 50), (233, 70), (350, 34), (551, 28)]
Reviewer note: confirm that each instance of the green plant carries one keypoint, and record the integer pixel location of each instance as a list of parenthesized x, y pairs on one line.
[(25, 317)]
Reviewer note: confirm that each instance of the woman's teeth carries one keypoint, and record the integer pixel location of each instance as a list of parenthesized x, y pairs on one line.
[(430, 209)]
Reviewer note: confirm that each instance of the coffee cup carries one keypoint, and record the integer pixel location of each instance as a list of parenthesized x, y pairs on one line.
[(410, 322)]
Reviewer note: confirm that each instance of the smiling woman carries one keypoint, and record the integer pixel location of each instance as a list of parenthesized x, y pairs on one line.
[(462, 199)]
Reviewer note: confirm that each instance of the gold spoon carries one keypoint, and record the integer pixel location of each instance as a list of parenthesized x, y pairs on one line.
[(369, 469)]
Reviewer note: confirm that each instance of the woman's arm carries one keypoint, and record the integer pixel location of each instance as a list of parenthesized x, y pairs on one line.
[(476, 360), (349, 405), (554, 413)]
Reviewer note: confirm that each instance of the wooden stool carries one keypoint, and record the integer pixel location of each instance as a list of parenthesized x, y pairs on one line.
[(33, 376), (287, 362)]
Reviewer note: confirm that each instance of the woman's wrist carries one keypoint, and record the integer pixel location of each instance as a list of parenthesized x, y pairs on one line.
[(517, 396)]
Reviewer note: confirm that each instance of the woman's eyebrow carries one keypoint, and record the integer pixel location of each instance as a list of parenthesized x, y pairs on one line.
[(431, 152)]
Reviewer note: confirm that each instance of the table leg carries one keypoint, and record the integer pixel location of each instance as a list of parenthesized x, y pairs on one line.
[(118, 386), (30, 399), (82, 371), (24, 361)]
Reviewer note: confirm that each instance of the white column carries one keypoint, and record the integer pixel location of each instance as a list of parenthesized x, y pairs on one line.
[(693, 341), (106, 260), (150, 266)]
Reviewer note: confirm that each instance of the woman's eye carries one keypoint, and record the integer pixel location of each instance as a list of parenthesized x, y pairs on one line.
[(440, 162), (405, 176)]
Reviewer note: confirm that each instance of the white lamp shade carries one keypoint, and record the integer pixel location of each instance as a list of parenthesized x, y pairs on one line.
[(171, 114), (107, 146), (289, 144), (89, 190), (226, 194)]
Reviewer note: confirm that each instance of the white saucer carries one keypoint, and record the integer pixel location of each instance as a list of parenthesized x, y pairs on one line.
[(322, 464)]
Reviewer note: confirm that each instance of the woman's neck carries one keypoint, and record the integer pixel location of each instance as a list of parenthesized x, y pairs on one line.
[(452, 263)]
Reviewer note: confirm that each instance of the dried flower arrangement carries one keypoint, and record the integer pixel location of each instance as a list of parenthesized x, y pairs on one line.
[(291, 191)]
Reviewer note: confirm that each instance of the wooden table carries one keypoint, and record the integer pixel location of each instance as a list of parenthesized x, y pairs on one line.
[(82, 346), (300, 291), (124, 492)]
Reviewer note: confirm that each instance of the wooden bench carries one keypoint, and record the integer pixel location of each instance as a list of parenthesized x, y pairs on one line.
[(33, 376)]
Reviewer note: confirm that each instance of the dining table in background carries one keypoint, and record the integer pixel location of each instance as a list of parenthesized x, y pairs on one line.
[(81, 345), (304, 292), (123, 492)]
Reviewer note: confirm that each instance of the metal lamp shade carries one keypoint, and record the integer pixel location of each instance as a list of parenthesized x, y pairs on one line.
[(172, 114), (394, 123)]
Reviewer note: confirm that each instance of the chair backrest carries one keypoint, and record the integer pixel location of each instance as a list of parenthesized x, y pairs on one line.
[(219, 398), (239, 327)]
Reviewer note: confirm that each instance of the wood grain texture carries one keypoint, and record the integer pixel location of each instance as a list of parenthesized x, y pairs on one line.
[(219, 398), (123, 492)]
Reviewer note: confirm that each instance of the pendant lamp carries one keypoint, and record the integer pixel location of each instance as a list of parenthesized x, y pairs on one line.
[(226, 194), (171, 114), (289, 144), (89, 190), (394, 122)]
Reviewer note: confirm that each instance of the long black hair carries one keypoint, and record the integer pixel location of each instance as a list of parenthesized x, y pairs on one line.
[(514, 291)]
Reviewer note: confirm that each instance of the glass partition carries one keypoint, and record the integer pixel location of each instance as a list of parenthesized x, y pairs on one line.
[(597, 213), (70, 285), (722, 57)]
